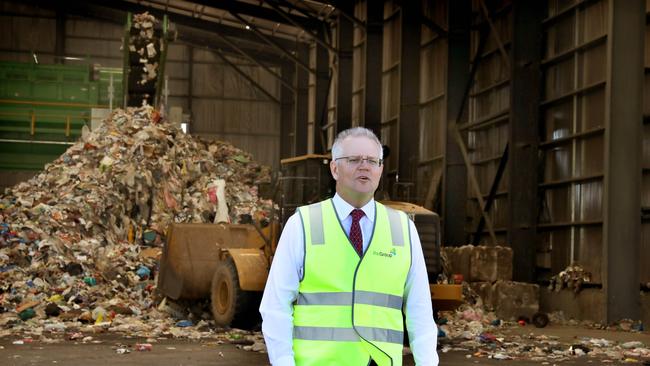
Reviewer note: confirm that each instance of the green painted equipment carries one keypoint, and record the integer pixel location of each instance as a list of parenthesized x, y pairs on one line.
[(44, 107)]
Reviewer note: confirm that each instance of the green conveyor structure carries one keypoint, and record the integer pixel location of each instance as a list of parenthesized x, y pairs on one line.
[(44, 107)]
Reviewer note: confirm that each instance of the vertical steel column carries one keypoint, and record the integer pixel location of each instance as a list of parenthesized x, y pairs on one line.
[(301, 103), (190, 82), (287, 106), (525, 94), (59, 45), (455, 176), (409, 114), (622, 185), (322, 91), (372, 89), (344, 71)]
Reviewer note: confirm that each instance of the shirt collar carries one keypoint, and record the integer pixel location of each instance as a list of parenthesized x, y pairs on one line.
[(343, 209)]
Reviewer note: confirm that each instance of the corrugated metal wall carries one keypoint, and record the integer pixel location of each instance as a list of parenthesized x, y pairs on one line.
[(390, 85), (20, 35), (572, 111), (224, 105), (227, 107), (433, 106), (572, 142), (487, 127)]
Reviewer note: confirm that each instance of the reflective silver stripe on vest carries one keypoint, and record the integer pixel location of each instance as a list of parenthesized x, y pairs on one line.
[(395, 227), (348, 334), (325, 334), (345, 298), (381, 335), (324, 298), (378, 299), (316, 224)]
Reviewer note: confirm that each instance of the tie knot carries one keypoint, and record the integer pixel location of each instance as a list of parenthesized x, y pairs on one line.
[(357, 214)]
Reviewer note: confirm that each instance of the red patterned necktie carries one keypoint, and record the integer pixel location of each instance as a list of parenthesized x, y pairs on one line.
[(356, 238)]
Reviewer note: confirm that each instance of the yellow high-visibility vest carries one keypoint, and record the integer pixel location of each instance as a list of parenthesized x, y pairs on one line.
[(349, 309)]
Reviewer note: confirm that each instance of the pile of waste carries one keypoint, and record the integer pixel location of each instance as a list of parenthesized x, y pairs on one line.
[(79, 242), (573, 277)]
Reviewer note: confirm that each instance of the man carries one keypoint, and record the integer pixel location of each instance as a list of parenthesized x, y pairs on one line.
[(344, 270)]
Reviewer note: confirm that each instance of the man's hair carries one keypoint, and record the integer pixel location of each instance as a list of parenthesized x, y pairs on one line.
[(354, 132)]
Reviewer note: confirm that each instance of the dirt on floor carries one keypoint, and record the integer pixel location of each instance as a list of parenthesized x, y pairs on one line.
[(115, 349)]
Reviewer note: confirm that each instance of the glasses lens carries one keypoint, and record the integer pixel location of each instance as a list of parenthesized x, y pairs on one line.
[(354, 160)]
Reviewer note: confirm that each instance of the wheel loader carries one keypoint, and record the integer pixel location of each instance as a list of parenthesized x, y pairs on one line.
[(229, 263)]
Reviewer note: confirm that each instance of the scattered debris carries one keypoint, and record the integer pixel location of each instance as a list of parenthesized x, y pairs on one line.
[(483, 335), (573, 277)]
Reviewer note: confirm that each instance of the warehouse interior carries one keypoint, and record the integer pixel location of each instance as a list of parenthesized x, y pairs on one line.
[(523, 124)]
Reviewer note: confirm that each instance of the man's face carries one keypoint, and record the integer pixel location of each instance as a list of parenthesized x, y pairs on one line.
[(357, 181)]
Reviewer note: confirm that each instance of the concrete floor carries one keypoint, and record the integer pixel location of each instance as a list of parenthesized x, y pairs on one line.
[(197, 352)]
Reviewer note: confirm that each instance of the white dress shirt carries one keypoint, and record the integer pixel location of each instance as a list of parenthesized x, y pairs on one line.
[(284, 278)]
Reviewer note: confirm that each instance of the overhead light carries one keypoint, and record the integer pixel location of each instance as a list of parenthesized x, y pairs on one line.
[(73, 58), (247, 27), (35, 57)]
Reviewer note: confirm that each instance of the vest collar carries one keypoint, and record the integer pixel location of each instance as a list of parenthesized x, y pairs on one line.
[(343, 209)]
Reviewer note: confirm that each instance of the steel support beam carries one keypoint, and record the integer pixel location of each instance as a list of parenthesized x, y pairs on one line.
[(409, 115), (455, 178), (273, 42), (503, 162), (623, 152), (190, 83), (525, 96), (346, 9), (193, 35), (191, 21), (323, 81), (201, 38), (287, 98), (433, 26), (261, 12), (306, 13), (313, 35), (454, 134), (301, 104), (248, 56), (254, 83), (374, 49), (344, 70)]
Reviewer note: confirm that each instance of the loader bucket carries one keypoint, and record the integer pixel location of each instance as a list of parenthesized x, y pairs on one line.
[(191, 254)]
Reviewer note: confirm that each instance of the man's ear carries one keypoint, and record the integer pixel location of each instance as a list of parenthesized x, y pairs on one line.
[(334, 169)]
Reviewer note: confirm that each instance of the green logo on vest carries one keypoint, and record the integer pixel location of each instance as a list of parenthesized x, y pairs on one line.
[(390, 254)]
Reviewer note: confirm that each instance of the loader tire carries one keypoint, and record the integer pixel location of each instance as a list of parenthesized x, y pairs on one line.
[(230, 304)]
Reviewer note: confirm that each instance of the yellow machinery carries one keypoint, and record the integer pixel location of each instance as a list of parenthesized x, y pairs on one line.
[(229, 263)]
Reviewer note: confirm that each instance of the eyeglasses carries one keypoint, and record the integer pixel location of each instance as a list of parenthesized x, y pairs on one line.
[(357, 160)]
